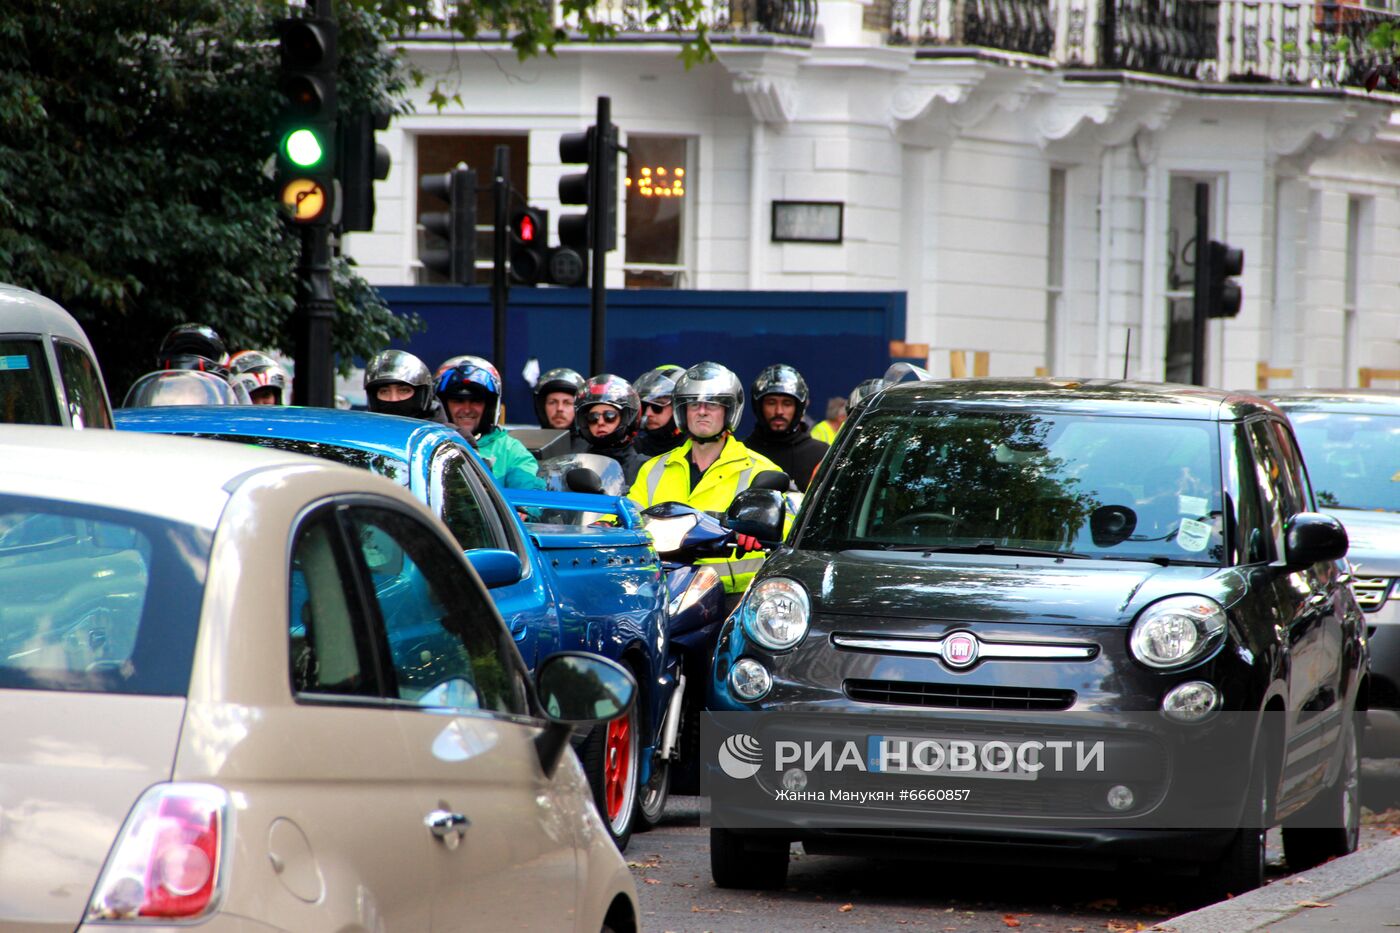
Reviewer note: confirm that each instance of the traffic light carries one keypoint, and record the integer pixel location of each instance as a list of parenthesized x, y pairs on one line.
[(533, 261), (306, 127), (362, 162), (456, 225), (595, 188), (529, 250), (1225, 296)]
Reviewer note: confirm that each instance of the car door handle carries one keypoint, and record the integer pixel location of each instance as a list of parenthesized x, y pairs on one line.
[(444, 823)]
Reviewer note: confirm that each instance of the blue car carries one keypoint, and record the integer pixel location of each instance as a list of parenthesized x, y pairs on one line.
[(557, 587)]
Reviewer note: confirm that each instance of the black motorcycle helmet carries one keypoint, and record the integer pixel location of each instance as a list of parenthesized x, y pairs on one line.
[(555, 380), (193, 346), (616, 392), (399, 366), (780, 379)]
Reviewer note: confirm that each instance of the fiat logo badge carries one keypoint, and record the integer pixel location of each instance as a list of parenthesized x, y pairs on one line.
[(960, 649)]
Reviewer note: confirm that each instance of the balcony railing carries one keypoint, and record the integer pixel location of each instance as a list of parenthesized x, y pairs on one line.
[(725, 19), (1314, 42), (1010, 25)]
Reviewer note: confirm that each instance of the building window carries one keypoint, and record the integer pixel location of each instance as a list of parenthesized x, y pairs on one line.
[(1057, 236), (658, 185), (438, 154), (1358, 218)]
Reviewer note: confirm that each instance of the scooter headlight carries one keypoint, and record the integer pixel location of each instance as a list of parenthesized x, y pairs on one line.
[(776, 613)]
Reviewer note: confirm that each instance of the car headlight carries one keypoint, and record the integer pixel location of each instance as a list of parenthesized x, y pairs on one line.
[(776, 613), (1177, 631)]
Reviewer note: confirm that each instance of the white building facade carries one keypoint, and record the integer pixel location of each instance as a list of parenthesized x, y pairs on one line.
[(1025, 170)]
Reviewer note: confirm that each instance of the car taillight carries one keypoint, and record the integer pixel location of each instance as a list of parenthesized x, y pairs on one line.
[(167, 859)]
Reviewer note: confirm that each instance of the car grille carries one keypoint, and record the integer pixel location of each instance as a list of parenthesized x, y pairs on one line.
[(957, 696), (1371, 591)]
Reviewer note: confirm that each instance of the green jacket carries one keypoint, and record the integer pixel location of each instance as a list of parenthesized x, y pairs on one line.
[(508, 459)]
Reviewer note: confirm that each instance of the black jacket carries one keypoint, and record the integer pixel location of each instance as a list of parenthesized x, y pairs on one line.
[(660, 441), (797, 452)]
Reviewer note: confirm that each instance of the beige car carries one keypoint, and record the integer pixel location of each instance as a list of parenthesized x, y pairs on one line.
[(256, 692)]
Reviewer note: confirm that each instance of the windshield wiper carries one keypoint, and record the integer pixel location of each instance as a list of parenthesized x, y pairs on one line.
[(1160, 561), (988, 547)]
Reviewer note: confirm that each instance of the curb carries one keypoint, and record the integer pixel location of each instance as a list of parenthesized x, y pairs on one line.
[(1279, 900)]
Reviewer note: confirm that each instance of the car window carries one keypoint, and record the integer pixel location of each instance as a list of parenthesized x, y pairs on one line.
[(97, 600), (328, 641), (82, 383), (1253, 537), (1268, 477), (1351, 458), (1115, 487), (1295, 474), (447, 646), (504, 513), (26, 389), (458, 501)]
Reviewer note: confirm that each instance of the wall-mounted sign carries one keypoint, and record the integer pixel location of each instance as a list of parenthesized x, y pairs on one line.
[(808, 221)]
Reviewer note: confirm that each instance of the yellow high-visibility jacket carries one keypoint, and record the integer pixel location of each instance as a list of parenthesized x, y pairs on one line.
[(666, 478)]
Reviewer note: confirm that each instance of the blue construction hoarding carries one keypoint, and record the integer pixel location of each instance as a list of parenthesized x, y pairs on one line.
[(835, 339)]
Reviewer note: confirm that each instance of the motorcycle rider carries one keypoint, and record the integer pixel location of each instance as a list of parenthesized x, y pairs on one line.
[(660, 433), (712, 466), (398, 383), (193, 346), (554, 404), (473, 397), (835, 419), (606, 411), (265, 379), (485, 364), (779, 399)]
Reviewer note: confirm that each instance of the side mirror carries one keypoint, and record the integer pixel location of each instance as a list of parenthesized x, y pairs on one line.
[(776, 480), (758, 513), (575, 688), (496, 566), (582, 479), (1311, 538)]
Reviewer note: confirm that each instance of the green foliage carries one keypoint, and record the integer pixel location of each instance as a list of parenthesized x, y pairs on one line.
[(529, 26), (133, 136)]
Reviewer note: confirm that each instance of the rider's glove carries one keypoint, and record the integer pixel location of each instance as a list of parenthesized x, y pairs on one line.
[(748, 543)]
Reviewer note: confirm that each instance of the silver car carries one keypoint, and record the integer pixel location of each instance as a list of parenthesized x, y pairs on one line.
[(48, 372), (1351, 442), (254, 691)]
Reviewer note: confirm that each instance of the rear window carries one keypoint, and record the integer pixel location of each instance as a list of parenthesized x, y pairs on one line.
[(97, 600), (383, 464), (26, 389)]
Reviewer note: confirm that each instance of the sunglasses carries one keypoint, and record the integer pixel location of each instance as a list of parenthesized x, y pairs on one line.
[(656, 408), (607, 416)]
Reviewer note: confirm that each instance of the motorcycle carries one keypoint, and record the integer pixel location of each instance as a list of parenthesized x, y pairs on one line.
[(698, 605)]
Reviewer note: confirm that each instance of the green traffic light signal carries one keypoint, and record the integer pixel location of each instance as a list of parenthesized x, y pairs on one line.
[(304, 148)]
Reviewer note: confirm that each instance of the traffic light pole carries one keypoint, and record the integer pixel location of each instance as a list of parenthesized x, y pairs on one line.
[(500, 287), (1200, 304), (602, 149), (314, 384)]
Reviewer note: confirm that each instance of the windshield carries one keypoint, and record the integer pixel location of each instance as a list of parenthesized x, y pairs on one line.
[(97, 600), (1352, 459), (391, 467), (1130, 488)]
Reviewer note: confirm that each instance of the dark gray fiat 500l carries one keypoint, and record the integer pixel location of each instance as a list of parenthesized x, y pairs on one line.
[(1022, 560)]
